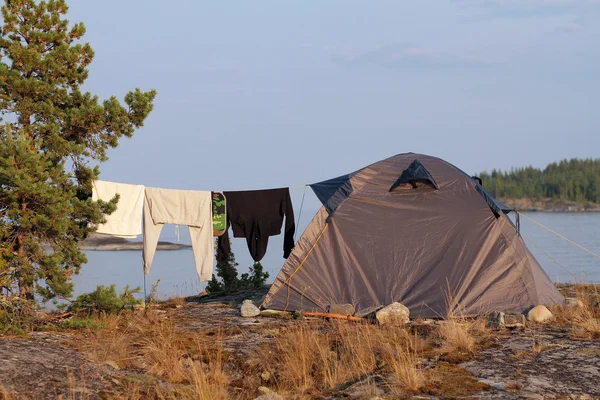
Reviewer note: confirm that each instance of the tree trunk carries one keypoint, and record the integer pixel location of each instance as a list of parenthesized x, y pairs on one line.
[(24, 277), (25, 289)]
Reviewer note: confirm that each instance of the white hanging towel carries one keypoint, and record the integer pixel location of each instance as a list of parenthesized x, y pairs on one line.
[(126, 221), (180, 207)]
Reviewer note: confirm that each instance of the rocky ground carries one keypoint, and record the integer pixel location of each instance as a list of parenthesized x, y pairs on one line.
[(563, 368), (41, 366), (538, 362)]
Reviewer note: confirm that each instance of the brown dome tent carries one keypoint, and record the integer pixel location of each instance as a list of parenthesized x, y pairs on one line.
[(413, 229)]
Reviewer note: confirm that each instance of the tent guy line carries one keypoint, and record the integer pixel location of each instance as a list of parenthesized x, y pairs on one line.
[(560, 236), (550, 257)]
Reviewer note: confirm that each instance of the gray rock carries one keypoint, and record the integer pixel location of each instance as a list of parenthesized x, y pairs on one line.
[(539, 314), (513, 321), (499, 320), (249, 310), (264, 390), (342, 309), (395, 313), (268, 394), (495, 320), (573, 302)]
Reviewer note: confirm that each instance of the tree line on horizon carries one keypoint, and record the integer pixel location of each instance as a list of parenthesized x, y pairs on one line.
[(574, 180)]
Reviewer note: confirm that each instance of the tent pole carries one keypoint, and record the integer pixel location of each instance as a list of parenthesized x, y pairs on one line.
[(336, 316)]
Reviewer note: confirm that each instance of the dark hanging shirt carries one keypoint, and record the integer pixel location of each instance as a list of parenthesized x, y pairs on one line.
[(256, 215)]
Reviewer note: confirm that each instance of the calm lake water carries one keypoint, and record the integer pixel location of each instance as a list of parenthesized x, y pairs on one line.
[(177, 275)]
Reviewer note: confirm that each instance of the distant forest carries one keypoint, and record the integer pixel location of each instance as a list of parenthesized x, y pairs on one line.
[(575, 180)]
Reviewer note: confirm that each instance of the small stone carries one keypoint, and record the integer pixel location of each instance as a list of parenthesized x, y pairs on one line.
[(395, 313), (573, 302), (539, 314), (112, 364), (495, 320), (514, 321), (265, 376), (249, 310), (342, 309), (268, 394), (264, 390)]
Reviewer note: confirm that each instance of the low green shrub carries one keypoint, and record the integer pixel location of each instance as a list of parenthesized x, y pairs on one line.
[(106, 300), (82, 323)]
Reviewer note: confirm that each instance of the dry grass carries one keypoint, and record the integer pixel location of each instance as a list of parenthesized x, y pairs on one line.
[(154, 345), (176, 302), (332, 357), (459, 336), (586, 319), (404, 362), (4, 394), (458, 332), (451, 381), (305, 359), (204, 382), (163, 351), (307, 356)]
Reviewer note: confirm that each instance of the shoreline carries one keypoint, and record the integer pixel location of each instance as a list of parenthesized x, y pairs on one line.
[(550, 205), (99, 242)]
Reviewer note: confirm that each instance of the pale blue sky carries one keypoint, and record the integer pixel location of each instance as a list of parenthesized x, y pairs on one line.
[(257, 94), (276, 93)]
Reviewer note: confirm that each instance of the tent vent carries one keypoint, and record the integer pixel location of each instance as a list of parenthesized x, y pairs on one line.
[(415, 176)]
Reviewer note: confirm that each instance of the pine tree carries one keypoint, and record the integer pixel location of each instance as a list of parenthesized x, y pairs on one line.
[(53, 135), (227, 271)]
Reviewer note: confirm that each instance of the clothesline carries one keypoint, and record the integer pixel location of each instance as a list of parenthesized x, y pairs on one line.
[(252, 214), (229, 190), (251, 190)]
